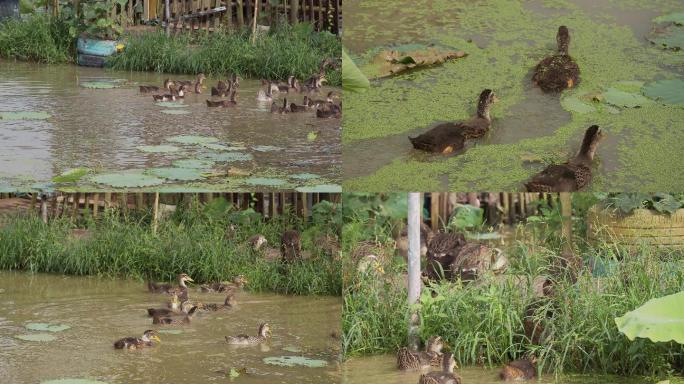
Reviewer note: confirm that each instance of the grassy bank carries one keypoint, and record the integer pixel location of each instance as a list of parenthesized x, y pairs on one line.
[(278, 54), (193, 240), (483, 322)]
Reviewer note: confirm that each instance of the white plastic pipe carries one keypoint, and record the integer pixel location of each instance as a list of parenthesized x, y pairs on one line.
[(413, 266)]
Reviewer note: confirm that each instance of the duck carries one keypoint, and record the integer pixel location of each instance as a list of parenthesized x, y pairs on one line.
[(168, 83), (228, 303), (223, 88), (180, 92), (408, 360), (167, 97), (328, 99), (239, 281), (558, 72), (181, 290), (173, 96), (146, 340), (257, 241), (314, 82), (401, 240), (148, 88), (449, 137), (263, 334), (284, 109), (290, 246), (174, 306), (329, 110), (198, 88), (519, 370), (441, 252), (188, 83), (573, 175), (298, 108), (445, 376), (167, 320), (224, 103)]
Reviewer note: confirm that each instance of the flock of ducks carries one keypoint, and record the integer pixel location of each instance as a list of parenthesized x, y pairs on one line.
[(224, 94), (181, 309), (432, 356), (553, 74)]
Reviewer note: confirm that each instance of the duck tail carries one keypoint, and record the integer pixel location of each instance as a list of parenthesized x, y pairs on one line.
[(119, 344)]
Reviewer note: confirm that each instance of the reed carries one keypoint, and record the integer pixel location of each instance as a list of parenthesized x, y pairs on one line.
[(38, 38)]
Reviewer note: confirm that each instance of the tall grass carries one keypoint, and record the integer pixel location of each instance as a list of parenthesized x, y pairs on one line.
[(38, 38), (482, 322), (192, 241), (283, 52)]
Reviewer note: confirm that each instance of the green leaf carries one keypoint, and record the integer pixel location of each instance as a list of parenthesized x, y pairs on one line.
[(311, 136), (659, 320), (175, 112), (574, 104), (627, 202), (157, 148), (291, 361), (126, 180), (268, 181), (666, 203), (173, 173), (620, 98), (677, 18), (71, 176), (666, 91), (353, 79), (466, 216), (671, 37), (36, 337), (321, 188), (47, 327), (193, 163), (190, 139)]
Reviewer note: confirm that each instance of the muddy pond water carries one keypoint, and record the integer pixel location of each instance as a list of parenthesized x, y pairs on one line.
[(100, 311), (112, 130), (382, 369), (504, 40)]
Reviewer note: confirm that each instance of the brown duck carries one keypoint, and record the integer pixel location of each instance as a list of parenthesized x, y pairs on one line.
[(519, 370), (168, 320), (558, 72), (284, 109), (138, 342), (408, 360), (573, 175), (290, 246), (445, 376), (449, 137), (442, 251), (224, 103), (329, 110)]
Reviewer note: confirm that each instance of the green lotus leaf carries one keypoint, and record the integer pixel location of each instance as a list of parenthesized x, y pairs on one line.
[(223, 147), (292, 348), (181, 174), (659, 320), (175, 112), (171, 104), (677, 18), (190, 139), (620, 98), (322, 188), (157, 148), (47, 327), (305, 176), (101, 84), (291, 361), (20, 115), (266, 148), (352, 78), (666, 91), (71, 175), (126, 180), (311, 136), (229, 156), (574, 104), (670, 37), (193, 163), (171, 331), (267, 181), (36, 337)]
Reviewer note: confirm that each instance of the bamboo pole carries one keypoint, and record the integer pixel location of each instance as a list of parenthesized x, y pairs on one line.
[(254, 23), (167, 16), (413, 267), (294, 11), (155, 209)]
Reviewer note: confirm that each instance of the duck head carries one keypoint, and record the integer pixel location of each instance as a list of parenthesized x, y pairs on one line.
[(240, 281), (168, 84), (434, 344), (230, 300), (265, 330), (151, 335), (201, 78), (183, 278), (563, 40), (484, 103)]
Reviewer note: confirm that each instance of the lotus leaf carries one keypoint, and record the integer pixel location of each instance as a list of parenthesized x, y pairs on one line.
[(71, 175), (620, 98), (126, 180), (36, 337), (158, 148), (305, 176), (400, 59), (229, 156), (47, 327), (189, 139), (291, 361), (666, 91), (173, 173), (171, 104), (574, 104), (659, 320), (322, 188), (193, 163), (175, 112), (352, 78), (268, 181)]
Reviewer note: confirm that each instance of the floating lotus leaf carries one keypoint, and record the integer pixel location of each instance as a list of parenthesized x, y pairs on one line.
[(157, 148), (175, 112), (291, 361), (229, 156), (305, 176), (47, 327), (266, 148), (352, 78), (126, 180), (36, 337), (19, 115), (322, 188), (222, 147), (268, 181), (292, 348), (574, 104), (181, 174), (620, 98), (72, 381), (403, 58), (102, 84), (170, 331), (189, 139), (171, 104), (666, 91), (44, 187), (311, 136), (677, 18), (659, 320), (193, 163), (670, 37), (71, 175)]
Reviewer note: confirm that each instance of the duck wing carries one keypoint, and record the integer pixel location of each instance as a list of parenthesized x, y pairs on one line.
[(445, 138), (554, 178), (556, 73)]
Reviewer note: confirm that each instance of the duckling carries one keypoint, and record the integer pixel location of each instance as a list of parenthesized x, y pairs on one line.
[(224, 103), (329, 110), (446, 376), (174, 306), (558, 72), (407, 360), (450, 137), (298, 108), (188, 83), (168, 83), (285, 86), (198, 88), (148, 88), (519, 370), (239, 281), (263, 334), (401, 240), (290, 246), (442, 251), (168, 288), (328, 99), (572, 175), (138, 342), (284, 109), (315, 82), (167, 97), (166, 320), (228, 303), (270, 86)]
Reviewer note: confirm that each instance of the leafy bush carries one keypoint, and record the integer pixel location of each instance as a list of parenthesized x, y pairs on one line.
[(626, 202)]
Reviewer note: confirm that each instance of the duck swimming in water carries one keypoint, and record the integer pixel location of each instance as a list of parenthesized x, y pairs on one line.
[(558, 72), (239, 281), (450, 137), (167, 320), (263, 334), (174, 306), (432, 356), (146, 340), (446, 376)]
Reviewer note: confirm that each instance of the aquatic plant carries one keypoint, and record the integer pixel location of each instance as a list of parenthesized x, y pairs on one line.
[(37, 37), (194, 239)]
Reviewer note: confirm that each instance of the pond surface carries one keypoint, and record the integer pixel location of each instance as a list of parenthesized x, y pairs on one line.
[(100, 311), (104, 129), (504, 40), (382, 369)]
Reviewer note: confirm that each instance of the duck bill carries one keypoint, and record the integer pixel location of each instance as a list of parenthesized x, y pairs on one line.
[(156, 338), (495, 99)]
